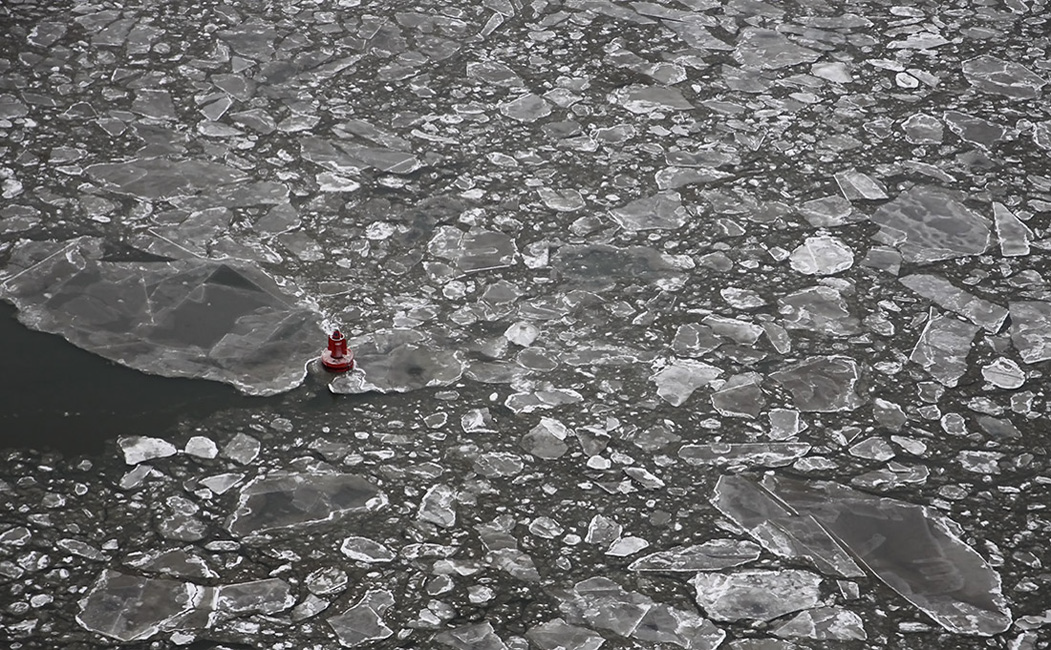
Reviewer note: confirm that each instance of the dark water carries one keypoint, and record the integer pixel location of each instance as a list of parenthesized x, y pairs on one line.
[(53, 395)]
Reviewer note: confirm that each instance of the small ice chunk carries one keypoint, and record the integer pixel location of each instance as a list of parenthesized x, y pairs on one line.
[(947, 296), (603, 531), (561, 200), (943, 347), (201, 447), (822, 383), (930, 224), (763, 454), (526, 108), (366, 550), (556, 634), (139, 449), (996, 76), (628, 545), (1013, 234), (857, 186), (1004, 373), (756, 595), (712, 555), (438, 506), (132, 608), (364, 621), (242, 449), (661, 211), (546, 440), (477, 636), (740, 396), (824, 624), (821, 255), (1031, 329), (835, 72), (677, 380)]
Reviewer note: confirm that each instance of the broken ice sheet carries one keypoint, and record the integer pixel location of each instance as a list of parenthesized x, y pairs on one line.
[(824, 624), (993, 75), (943, 347), (755, 595), (197, 318), (288, 500), (763, 454), (474, 250), (947, 296), (556, 634), (929, 224), (603, 604), (822, 255), (909, 547), (768, 49), (822, 383), (712, 555), (1031, 329), (818, 309), (398, 361), (131, 608), (857, 186), (598, 267), (677, 380), (660, 211), (364, 621)]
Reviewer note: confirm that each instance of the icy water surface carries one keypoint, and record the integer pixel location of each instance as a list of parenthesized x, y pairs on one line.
[(682, 324)]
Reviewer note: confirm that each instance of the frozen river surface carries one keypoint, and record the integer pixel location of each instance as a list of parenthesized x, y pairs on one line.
[(682, 324)]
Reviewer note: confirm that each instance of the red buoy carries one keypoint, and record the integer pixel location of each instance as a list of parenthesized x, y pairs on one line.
[(337, 358)]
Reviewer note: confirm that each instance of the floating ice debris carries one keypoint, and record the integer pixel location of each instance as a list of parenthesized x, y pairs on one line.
[(823, 383), (677, 380), (660, 211), (947, 296), (649, 99), (857, 186), (366, 550), (923, 129), (767, 49), (993, 75), (526, 108), (1004, 373), (835, 72), (628, 545), (739, 331), (201, 447), (561, 200), (139, 449), (279, 501), (546, 440), (438, 506), (1031, 329), (398, 361), (132, 608), (1014, 235), (479, 636), (712, 555), (268, 596), (928, 224), (943, 347), (939, 574), (974, 129), (763, 454), (364, 621), (502, 549), (242, 449), (740, 396), (185, 318), (821, 255), (474, 250), (824, 624), (828, 211), (818, 309), (556, 634), (603, 604), (755, 595), (597, 267)]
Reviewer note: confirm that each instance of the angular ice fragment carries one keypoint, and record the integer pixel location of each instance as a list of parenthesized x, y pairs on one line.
[(601, 603), (526, 108), (996, 76), (929, 224), (283, 500), (479, 636), (658, 212), (1031, 329), (502, 549), (764, 454), (947, 296), (739, 331), (545, 440), (822, 255), (556, 634), (598, 267), (677, 380), (755, 595), (1014, 235), (366, 550), (818, 309), (438, 506), (649, 99), (268, 596), (857, 186), (943, 347), (628, 545), (939, 574), (131, 608), (835, 72), (712, 555), (364, 621), (561, 200), (475, 250), (740, 396), (1004, 373), (769, 50), (824, 624), (822, 383), (139, 449)]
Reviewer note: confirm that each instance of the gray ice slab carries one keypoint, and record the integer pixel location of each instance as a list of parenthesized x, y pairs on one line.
[(363, 622), (824, 624), (943, 347), (132, 608), (268, 596), (928, 224), (598, 267), (712, 555), (763, 454), (661, 211), (821, 255), (857, 186), (755, 595), (818, 309), (947, 296), (556, 634), (1012, 232), (740, 396), (363, 549), (681, 377), (768, 49), (822, 383), (909, 547), (289, 500), (184, 318), (502, 549), (992, 75), (478, 636), (475, 250), (398, 361), (1031, 329), (601, 603)]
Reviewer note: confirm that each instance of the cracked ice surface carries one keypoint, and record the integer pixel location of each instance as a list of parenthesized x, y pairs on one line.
[(591, 256)]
